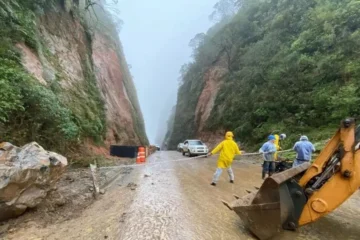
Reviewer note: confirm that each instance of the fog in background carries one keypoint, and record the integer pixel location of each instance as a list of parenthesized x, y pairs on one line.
[(155, 37)]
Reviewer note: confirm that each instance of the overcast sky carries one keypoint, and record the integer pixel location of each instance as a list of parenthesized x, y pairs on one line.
[(155, 38)]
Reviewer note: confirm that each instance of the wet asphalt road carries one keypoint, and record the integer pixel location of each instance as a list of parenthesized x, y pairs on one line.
[(175, 201)]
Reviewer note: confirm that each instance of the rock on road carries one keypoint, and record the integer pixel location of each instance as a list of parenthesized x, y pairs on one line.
[(174, 200)]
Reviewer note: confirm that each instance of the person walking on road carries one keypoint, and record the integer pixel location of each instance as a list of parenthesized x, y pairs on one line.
[(304, 149), (228, 149), (268, 149)]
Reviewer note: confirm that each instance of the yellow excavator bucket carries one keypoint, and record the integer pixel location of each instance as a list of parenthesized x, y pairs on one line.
[(303, 194), (277, 205)]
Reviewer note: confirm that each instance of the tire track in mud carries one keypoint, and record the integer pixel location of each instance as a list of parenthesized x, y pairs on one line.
[(158, 211), (182, 204), (212, 219)]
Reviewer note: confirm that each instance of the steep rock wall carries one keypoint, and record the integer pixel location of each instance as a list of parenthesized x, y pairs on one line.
[(81, 67), (213, 81), (198, 109), (207, 97), (117, 103)]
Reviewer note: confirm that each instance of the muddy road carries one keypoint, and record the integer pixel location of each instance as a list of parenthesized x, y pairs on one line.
[(174, 200)]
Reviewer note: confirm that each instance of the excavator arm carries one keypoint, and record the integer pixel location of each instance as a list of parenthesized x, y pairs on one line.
[(334, 176), (304, 194)]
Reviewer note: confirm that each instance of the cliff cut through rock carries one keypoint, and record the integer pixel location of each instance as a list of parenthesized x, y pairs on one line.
[(75, 66)]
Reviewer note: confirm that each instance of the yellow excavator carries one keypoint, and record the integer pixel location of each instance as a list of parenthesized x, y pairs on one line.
[(301, 195)]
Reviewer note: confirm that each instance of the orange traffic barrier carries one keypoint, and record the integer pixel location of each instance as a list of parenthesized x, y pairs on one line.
[(141, 154), (138, 159), (141, 158)]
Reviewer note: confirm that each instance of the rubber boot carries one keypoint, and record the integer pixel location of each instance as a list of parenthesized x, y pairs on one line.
[(265, 176)]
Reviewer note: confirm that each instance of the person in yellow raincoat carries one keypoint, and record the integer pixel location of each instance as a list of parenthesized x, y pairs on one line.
[(228, 149), (277, 142)]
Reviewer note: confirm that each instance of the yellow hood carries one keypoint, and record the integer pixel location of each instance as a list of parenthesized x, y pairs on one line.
[(228, 149), (229, 136)]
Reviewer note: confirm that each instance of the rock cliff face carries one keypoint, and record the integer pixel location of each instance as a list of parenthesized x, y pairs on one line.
[(213, 81), (121, 110), (79, 57), (198, 107)]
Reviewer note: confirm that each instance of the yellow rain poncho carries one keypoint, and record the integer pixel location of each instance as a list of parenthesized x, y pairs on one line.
[(277, 145), (228, 150)]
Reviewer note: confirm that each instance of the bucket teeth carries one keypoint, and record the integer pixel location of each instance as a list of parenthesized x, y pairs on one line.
[(270, 210), (227, 204), (236, 196)]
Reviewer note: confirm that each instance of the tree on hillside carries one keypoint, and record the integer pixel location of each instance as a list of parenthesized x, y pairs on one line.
[(109, 7), (197, 40), (226, 42), (202, 51), (183, 71), (224, 9)]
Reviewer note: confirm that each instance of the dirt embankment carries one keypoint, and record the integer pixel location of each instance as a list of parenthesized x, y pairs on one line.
[(72, 194), (68, 199)]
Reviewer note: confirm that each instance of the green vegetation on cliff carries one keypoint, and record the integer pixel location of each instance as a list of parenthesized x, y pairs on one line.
[(169, 127), (109, 27), (293, 67), (28, 110), (56, 118)]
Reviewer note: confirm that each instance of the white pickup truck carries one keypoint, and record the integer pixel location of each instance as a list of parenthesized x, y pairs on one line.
[(194, 148)]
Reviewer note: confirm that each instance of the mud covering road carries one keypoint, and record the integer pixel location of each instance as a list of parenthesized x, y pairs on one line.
[(174, 200)]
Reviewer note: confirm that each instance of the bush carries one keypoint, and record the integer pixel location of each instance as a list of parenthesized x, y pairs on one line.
[(30, 111)]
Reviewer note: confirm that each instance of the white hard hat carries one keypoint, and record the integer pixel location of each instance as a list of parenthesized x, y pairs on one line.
[(282, 136), (304, 138)]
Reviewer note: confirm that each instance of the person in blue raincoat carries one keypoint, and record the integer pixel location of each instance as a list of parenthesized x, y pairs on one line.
[(268, 149), (304, 149)]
